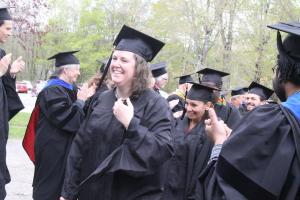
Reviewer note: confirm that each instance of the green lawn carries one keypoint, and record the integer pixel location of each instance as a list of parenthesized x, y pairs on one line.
[(18, 124)]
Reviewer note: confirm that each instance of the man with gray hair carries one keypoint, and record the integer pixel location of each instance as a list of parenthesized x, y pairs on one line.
[(58, 114), (160, 75)]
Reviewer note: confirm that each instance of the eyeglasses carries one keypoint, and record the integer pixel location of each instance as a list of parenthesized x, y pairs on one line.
[(274, 68)]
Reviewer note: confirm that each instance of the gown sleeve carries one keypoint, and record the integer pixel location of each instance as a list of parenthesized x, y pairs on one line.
[(59, 109)]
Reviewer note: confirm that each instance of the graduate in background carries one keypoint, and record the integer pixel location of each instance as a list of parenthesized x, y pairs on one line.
[(10, 103), (261, 159), (160, 74), (191, 144), (227, 112), (257, 95), (238, 99), (60, 113), (121, 150), (177, 99)]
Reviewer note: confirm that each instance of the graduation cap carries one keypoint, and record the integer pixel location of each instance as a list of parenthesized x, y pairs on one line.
[(64, 58), (290, 46), (212, 76), (4, 14), (239, 91), (137, 42), (102, 63), (158, 69), (201, 92), (260, 90), (184, 79)]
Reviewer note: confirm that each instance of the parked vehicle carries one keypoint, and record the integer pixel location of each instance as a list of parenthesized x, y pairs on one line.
[(21, 87), (28, 84)]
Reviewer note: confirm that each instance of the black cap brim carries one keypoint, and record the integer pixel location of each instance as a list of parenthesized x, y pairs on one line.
[(290, 27), (260, 90)]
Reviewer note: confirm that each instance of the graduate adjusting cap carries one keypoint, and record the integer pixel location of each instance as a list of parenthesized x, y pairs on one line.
[(201, 92), (239, 91), (158, 69), (64, 58), (137, 42), (260, 90), (4, 14), (102, 63), (184, 79), (212, 76)]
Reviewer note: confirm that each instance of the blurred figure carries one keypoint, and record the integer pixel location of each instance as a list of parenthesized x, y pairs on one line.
[(10, 103)]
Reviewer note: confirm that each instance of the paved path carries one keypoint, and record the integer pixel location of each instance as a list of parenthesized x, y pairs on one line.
[(21, 171)]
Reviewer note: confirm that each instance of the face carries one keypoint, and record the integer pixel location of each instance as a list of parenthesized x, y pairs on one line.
[(163, 80), (195, 109), (237, 100), (122, 68), (253, 100), (5, 30), (72, 73)]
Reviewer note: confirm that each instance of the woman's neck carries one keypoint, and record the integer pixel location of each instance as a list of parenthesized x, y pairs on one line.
[(123, 92)]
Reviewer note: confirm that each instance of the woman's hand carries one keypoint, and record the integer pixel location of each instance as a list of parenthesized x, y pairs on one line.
[(216, 130), (123, 113), (17, 66)]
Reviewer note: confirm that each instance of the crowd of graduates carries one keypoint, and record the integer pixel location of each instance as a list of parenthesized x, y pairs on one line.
[(121, 137)]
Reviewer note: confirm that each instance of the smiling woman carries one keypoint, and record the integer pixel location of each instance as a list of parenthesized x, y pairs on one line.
[(120, 151)]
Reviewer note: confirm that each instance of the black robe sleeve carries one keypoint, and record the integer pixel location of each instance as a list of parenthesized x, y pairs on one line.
[(259, 161), (9, 83), (58, 108), (146, 146)]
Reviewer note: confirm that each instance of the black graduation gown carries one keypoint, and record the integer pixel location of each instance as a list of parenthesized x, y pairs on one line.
[(179, 106), (10, 105), (89, 102), (260, 160), (124, 164), (192, 151), (59, 119), (229, 114)]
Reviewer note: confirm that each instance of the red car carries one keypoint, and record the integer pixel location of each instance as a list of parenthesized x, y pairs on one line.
[(21, 87)]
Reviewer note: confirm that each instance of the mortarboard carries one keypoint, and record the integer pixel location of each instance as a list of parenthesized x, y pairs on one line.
[(260, 90), (4, 14), (212, 76), (185, 78), (158, 69), (102, 63), (64, 58), (201, 92), (239, 91), (290, 47), (137, 42)]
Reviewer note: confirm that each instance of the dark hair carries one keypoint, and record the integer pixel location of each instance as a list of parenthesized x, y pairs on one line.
[(142, 76), (1, 22), (289, 70)]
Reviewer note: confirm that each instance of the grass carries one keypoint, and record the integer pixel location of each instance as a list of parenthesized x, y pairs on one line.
[(18, 124)]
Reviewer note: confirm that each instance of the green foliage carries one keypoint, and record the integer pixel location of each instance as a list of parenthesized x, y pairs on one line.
[(17, 125)]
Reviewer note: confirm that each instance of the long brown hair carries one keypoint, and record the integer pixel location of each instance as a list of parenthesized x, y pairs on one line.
[(142, 76)]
